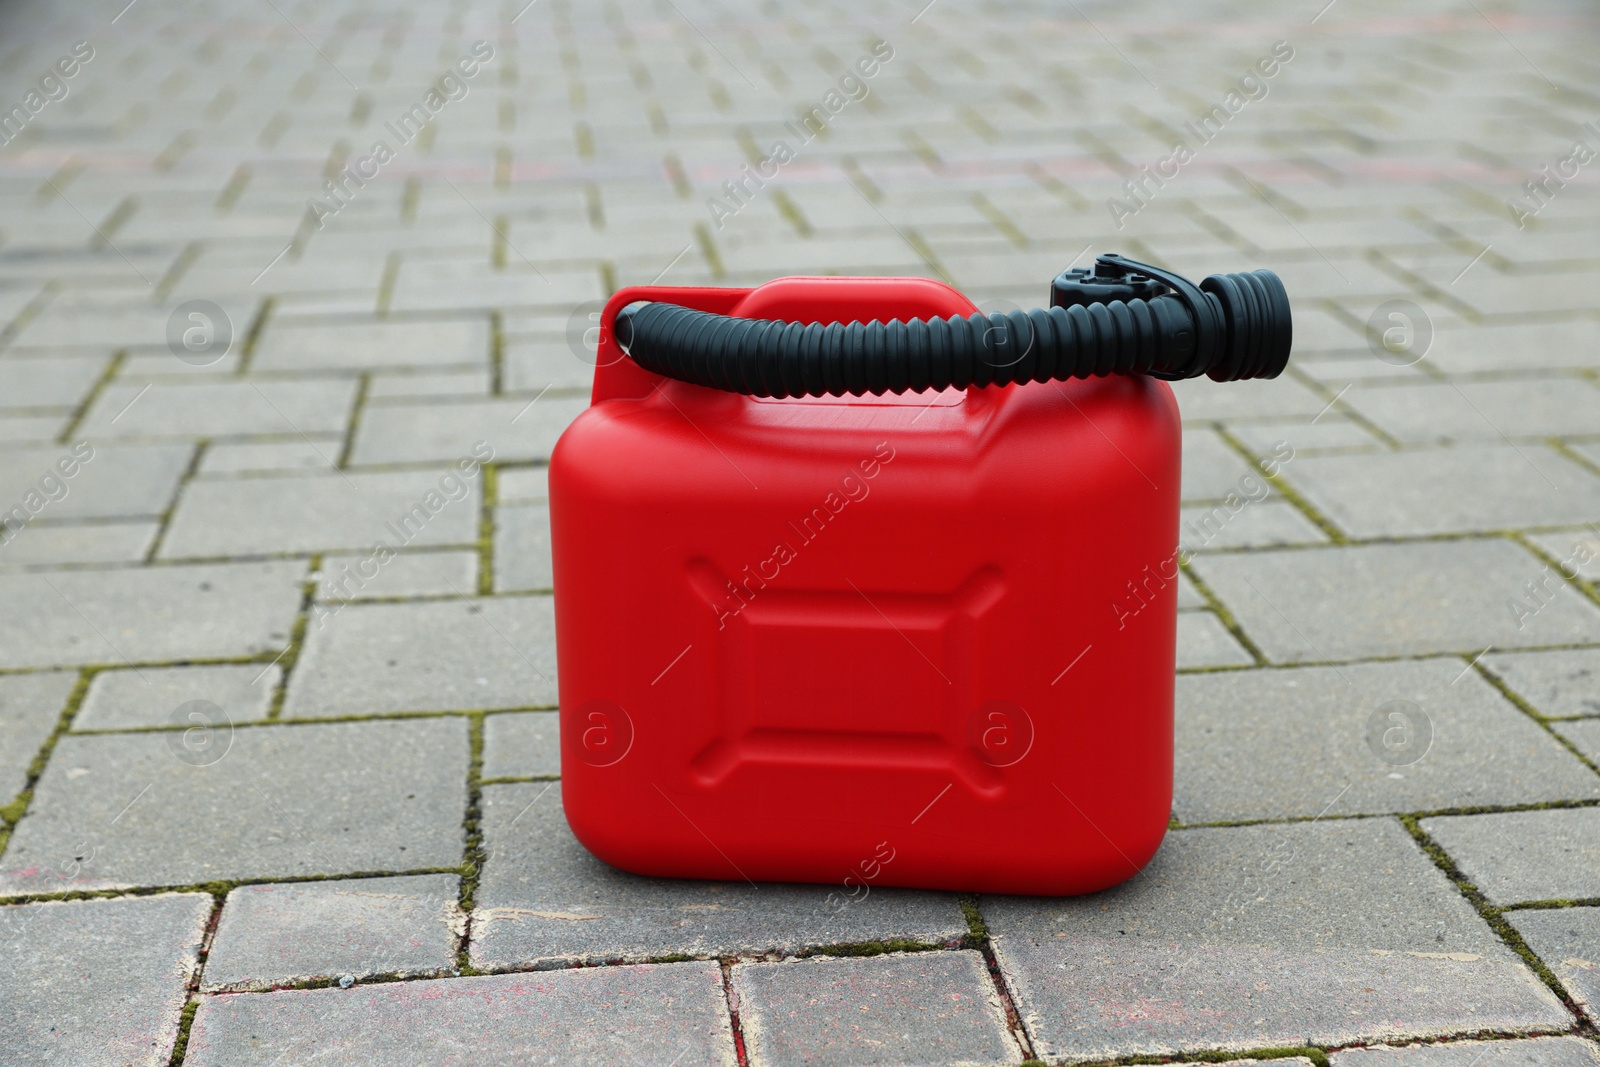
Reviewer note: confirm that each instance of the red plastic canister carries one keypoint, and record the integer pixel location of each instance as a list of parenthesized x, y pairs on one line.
[(922, 640)]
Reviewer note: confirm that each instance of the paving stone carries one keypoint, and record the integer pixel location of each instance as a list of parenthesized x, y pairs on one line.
[(409, 386), (221, 409), (1204, 642), (1329, 433), (1584, 735), (1568, 941), (522, 548), (102, 542), (521, 745), (98, 981), (1351, 601), (1245, 522), (448, 430), (1577, 550), (61, 381), (154, 696), (1327, 741), (435, 656), (1254, 398), (523, 485), (1563, 682), (278, 801), (313, 452), (117, 480), (149, 365), (276, 935), (667, 1013), (1337, 370), (323, 510), (544, 900), (533, 364), (31, 428), (424, 286), (926, 1007), (1533, 1052), (75, 323), (157, 614), (1330, 933), (1519, 856), (1526, 346), (1480, 410), (1447, 490), (360, 576), (288, 345), (1212, 470), (30, 708)]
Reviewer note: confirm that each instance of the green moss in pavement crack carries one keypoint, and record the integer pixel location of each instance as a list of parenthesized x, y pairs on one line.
[(180, 1048), (977, 929), (473, 855)]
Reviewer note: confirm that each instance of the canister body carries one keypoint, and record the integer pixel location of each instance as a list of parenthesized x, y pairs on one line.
[(924, 640)]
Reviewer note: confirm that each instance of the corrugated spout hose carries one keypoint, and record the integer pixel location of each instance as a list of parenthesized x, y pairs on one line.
[(1125, 318)]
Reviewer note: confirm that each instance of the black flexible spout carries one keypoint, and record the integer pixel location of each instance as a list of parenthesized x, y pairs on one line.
[(1231, 326)]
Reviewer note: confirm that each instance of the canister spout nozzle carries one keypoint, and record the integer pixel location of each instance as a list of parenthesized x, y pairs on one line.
[(1123, 318)]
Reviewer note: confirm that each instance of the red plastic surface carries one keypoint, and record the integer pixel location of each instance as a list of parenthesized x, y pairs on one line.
[(903, 641)]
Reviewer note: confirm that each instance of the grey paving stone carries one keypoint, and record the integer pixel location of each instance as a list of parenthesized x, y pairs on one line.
[(523, 485), (288, 345), (1330, 432), (323, 510), (1256, 398), (1526, 346), (534, 363), (1326, 741), (153, 696), (30, 707), (1352, 601), (926, 1007), (544, 900), (521, 745), (1263, 936), (452, 383), (522, 548), (1519, 856), (101, 542), (278, 801), (1212, 470), (157, 614), (275, 935), (75, 323), (1533, 1052), (667, 1013), (1447, 490), (98, 981), (60, 381), (1480, 410), (435, 656), (188, 409), (1204, 642), (361, 576), (313, 452), (1584, 735), (447, 430), (1561, 682), (117, 481), (1568, 941), (1245, 522), (1577, 550), (31, 428)]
